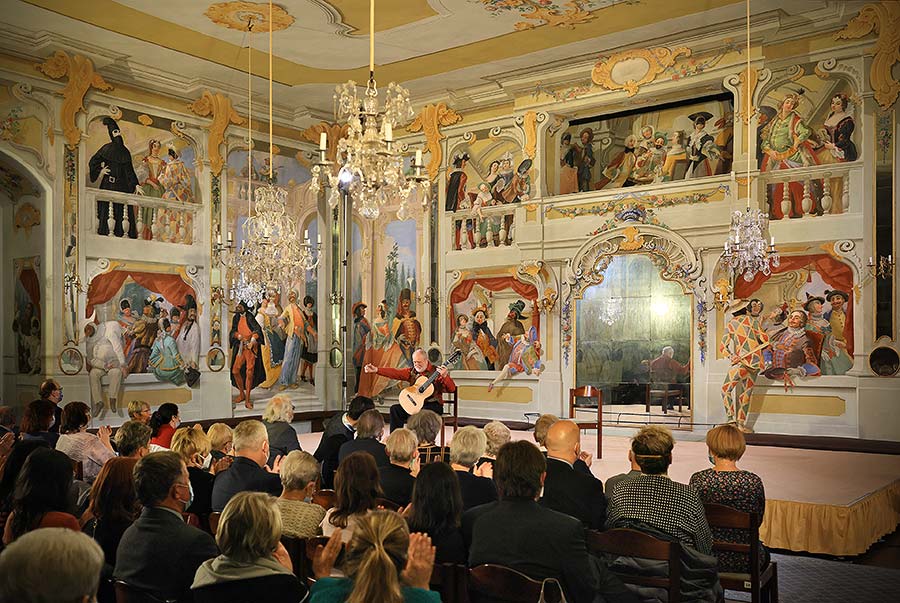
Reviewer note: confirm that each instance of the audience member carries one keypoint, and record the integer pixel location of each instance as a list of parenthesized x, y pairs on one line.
[(139, 411), (277, 418), (436, 510), (383, 563), (7, 441), (541, 427), (81, 446), (193, 447), (398, 478), (369, 430), (42, 497), (497, 434), (654, 499), (133, 439), (163, 423), (519, 533), (11, 471), (613, 481), (50, 391), (160, 553), (39, 422), (727, 485), (50, 565), (565, 489), (339, 429), (249, 470), (8, 421), (299, 474), (254, 566), (427, 424), (220, 440), (113, 507), (466, 447), (356, 488)]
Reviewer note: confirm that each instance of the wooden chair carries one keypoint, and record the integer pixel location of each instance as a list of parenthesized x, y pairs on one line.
[(387, 504), (447, 579), (301, 552), (451, 399), (757, 582), (324, 498), (77, 470), (499, 583), (632, 543), (126, 593), (214, 522), (588, 391)]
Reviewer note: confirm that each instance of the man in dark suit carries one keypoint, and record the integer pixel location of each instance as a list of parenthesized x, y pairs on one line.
[(249, 471), (466, 447), (519, 533), (397, 479), (369, 430), (566, 489), (339, 429), (159, 552), (50, 390)]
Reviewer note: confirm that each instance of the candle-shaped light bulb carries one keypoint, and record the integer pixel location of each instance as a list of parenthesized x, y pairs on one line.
[(218, 238), (388, 131), (871, 261), (323, 141), (306, 235), (419, 157), (772, 242), (318, 239)]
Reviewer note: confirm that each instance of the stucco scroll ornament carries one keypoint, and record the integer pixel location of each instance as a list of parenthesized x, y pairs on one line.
[(27, 216), (539, 274), (529, 122), (218, 107), (883, 19), (236, 15), (748, 82), (429, 122), (81, 78), (630, 69)]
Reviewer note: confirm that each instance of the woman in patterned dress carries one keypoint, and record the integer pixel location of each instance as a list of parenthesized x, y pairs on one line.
[(727, 485)]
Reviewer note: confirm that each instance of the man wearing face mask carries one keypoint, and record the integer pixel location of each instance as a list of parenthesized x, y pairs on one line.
[(160, 553), (249, 471), (51, 391)]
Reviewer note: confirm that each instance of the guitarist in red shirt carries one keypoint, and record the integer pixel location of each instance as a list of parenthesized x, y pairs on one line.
[(421, 368)]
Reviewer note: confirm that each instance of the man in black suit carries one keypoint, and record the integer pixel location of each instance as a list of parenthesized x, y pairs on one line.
[(519, 533), (566, 489), (50, 390), (466, 447), (249, 471), (159, 552), (339, 429), (369, 430), (398, 479)]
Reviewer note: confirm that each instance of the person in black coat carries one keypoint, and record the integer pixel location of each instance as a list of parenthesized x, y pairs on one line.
[(160, 553), (466, 447), (397, 478), (339, 429), (113, 165), (249, 470), (368, 435), (519, 533), (436, 510), (566, 489), (245, 339)]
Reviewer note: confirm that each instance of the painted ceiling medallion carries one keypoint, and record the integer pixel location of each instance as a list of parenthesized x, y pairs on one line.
[(631, 69), (236, 15), (559, 13)]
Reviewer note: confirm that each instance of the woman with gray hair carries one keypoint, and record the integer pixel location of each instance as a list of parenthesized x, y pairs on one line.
[(253, 560), (277, 418), (497, 434), (466, 447), (427, 424), (299, 476)]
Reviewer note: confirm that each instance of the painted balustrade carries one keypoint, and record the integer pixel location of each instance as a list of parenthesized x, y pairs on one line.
[(122, 215), (807, 192), (488, 227)]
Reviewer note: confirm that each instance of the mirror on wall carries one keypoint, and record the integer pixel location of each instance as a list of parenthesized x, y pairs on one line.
[(633, 341)]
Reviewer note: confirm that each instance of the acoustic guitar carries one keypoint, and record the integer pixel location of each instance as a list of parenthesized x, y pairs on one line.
[(412, 398)]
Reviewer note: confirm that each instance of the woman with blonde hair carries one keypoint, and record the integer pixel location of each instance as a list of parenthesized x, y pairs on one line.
[(254, 566), (220, 437), (497, 434), (383, 562), (193, 446), (277, 418)]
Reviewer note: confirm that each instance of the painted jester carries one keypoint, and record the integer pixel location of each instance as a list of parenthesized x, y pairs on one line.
[(743, 342)]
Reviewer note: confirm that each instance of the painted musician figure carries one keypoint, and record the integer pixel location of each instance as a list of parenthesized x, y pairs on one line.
[(421, 368)]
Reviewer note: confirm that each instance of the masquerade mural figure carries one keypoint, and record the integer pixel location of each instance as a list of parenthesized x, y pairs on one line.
[(112, 165), (246, 337), (406, 328), (795, 350), (703, 154), (143, 333), (274, 339), (165, 361), (361, 330), (310, 355), (105, 358), (512, 326), (524, 356), (293, 320), (743, 343)]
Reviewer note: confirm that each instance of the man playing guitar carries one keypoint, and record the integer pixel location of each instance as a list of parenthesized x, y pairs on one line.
[(421, 368)]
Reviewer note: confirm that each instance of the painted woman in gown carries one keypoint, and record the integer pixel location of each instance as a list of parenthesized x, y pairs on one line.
[(165, 361), (838, 146), (273, 351)]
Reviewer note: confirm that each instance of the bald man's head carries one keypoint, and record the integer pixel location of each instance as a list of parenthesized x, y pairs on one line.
[(564, 441)]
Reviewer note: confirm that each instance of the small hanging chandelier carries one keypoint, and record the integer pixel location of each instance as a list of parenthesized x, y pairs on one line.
[(746, 250), (373, 169), (271, 247)]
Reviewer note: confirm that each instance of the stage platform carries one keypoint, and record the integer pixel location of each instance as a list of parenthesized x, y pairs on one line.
[(818, 501)]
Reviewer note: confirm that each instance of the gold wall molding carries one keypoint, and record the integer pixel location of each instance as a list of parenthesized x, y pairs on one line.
[(334, 132), (429, 122), (883, 19), (219, 108), (237, 15), (81, 77), (529, 126), (748, 80), (630, 69), (27, 217)]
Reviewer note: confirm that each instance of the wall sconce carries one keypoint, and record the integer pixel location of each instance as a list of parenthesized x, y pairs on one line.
[(430, 296), (335, 298), (884, 268)]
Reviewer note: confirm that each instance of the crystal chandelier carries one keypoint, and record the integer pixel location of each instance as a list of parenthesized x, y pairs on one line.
[(372, 168), (746, 250), (611, 311), (270, 247)]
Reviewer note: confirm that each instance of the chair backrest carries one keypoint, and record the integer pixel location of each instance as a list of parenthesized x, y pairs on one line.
[(722, 516), (446, 579), (387, 504), (623, 542), (126, 593), (324, 498), (501, 583), (214, 522), (296, 549), (77, 470), (585, 391)]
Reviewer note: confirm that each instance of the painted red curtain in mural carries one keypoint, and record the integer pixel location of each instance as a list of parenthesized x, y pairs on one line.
[(105, 286), (31, 284), (835, 273), (494, 284)]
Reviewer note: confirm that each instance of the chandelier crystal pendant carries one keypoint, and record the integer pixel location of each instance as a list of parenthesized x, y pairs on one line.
[(372, 164)]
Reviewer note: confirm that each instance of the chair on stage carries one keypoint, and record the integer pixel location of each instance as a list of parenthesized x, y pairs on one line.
[(661, 388), (593, 393), (450, 399), (758, 582)]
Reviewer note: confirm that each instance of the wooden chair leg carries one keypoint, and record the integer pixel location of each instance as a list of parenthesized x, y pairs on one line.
[(442, 433)]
